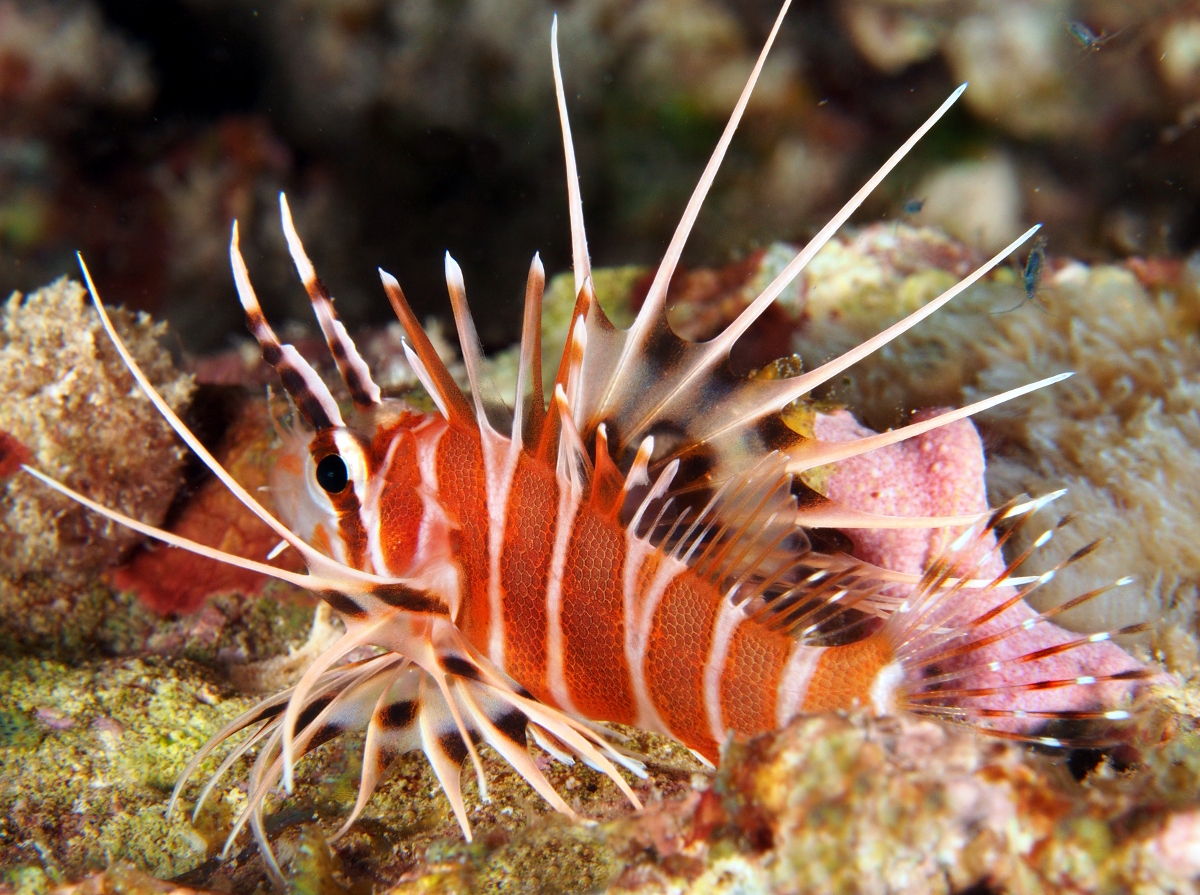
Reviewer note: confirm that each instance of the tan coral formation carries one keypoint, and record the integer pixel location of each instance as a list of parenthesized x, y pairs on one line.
[(69, 400), (1121, 435), (67, 52), (902, 805)]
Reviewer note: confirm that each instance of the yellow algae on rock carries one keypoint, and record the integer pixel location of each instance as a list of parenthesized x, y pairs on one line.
[(69, 400)]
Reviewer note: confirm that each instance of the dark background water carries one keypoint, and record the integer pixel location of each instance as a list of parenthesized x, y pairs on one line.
[(135, 130)]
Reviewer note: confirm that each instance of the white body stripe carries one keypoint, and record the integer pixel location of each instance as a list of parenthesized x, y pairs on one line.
[(369, 513), (569, 500), (793, 683), (499, 467), (639, 617), (727, 623), (434, 559)]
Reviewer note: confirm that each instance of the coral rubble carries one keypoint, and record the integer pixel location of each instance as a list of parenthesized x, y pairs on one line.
[(70, 401), (89, 748)]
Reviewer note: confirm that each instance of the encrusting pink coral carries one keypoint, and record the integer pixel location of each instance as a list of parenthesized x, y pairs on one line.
[(941, 473)]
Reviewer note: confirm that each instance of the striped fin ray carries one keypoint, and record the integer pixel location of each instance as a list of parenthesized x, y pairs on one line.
[(530, 413), (1008, 691), (837, 598), (742, 528), (403, 708), (744, 541), (300, 381), (349, 590), (579, 249), (321, 719), (353, 369), (644, 332), (648, 381), (490, 409), (379, 611), (424, 359)]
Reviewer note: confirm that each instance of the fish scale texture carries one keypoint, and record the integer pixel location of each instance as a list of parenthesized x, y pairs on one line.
[(593, 625), (401, 507), (753, 669), (525, 574), (844, 675), (679, 640), (461, 493)]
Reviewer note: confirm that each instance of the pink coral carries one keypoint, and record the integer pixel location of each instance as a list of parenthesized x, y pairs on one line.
[(941, 473)]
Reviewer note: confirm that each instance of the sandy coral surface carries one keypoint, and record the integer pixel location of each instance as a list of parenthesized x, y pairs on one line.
[(90, 742), (70, 401)]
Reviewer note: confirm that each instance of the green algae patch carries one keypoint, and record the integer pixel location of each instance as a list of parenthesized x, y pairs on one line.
[(551, 856), (614, 287), (114, 737), (19, 730), (50, 618)]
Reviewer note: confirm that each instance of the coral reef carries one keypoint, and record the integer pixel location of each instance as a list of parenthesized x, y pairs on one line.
[(402, 127), (90, 753), (1119, 435), (900, 805), (834, 805), (1077, 76), (67, 399), (63, 70), (54, 58)]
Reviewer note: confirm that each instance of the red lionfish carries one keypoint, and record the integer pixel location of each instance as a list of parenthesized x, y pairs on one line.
[(608, 555)]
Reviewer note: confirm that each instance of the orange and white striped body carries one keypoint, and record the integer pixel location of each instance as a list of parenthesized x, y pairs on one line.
[(587, 615), (635, 551)]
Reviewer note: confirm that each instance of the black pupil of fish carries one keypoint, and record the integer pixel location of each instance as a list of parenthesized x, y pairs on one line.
[(332, 474)]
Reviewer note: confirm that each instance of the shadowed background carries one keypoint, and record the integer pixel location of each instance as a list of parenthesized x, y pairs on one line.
[(136, 130)]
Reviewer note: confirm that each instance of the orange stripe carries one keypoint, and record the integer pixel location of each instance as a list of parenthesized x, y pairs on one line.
[(593, 620), (525, 572), (750, 681), (844, 675), (401, 507), (462, 493), (680, 638)]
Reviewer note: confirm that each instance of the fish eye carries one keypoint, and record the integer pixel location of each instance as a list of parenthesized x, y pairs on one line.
[(332, 474)]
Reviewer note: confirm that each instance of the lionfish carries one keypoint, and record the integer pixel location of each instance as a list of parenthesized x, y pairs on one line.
[(634, 549)]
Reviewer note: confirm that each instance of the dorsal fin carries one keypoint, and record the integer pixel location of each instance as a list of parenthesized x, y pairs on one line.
[(571, 360), (653, 311), (648, 381), (738, 536), (579, 249), (483, 390), (452, 402), (529, 414), (608, 484), (672, 377), (353, 369)]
